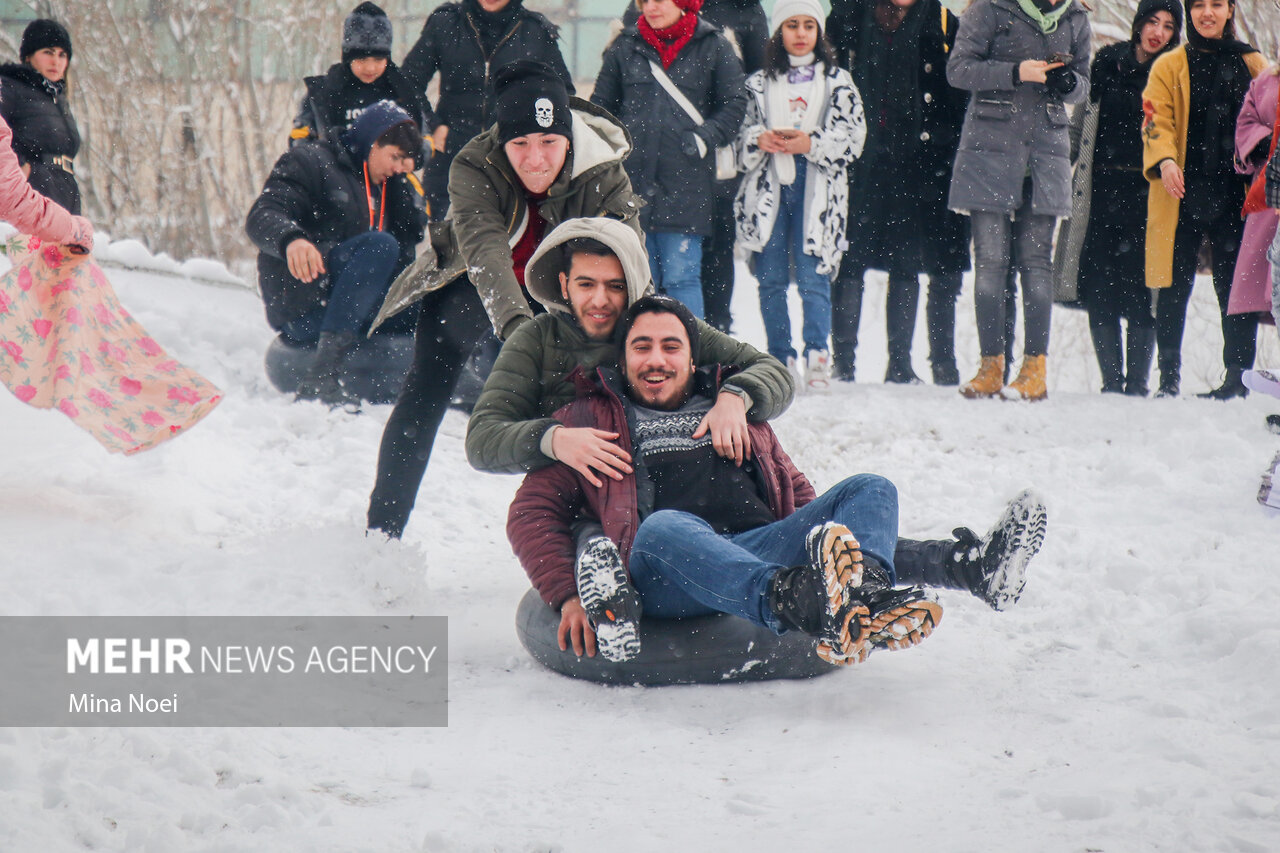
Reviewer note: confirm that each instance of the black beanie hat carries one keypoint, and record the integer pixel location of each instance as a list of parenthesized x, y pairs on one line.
[(1147, 8), (42, 33), (529, 97), (660, 304), (366, 32)]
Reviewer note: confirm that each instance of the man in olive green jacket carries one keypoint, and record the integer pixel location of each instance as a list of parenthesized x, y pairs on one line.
[(586, 273)]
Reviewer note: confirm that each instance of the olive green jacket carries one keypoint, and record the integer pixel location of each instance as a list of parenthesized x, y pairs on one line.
[(488, 212), (530, 379)]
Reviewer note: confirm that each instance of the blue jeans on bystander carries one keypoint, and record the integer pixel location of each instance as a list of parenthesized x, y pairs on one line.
[(360, 269), (773, 271), (675, 262), (681, 567)]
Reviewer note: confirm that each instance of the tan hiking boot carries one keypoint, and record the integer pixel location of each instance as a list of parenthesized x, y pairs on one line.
[(989, 381), (1030, 382)]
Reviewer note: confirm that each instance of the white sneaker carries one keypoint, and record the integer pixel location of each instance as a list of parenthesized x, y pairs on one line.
[(797, 372), (817, 370)]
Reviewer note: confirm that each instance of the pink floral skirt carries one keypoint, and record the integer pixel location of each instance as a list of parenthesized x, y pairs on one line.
[(67, 343)]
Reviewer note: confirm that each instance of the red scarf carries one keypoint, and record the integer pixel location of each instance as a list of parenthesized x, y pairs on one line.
[(669, 42)]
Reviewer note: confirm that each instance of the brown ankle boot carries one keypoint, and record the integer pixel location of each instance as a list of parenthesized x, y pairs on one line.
[(989, 381), (1030, 382)]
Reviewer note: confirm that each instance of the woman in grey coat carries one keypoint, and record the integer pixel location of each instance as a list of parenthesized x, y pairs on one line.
[(1024, 61)]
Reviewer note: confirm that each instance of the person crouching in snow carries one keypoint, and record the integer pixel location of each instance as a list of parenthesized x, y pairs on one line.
[(804, 127), (336, 221)]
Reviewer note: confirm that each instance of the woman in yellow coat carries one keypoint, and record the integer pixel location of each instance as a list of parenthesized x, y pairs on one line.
[(1191, 102)]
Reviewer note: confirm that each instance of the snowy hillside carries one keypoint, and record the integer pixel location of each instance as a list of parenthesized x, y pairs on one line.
[(1128, 703)]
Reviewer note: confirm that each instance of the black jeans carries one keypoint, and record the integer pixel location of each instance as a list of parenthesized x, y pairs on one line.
[(1239, 331), (450, 323)]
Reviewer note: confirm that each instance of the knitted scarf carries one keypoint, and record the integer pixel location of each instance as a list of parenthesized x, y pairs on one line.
[(670, 41), (1047, 20)]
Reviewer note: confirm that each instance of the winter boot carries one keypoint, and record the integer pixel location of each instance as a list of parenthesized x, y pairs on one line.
[(1170, 375), (1273, 423), (817, 599), (1106, 346), (1232, 387), (989, 381), (817, 370), (1139, 347), (900, 326), (1030, 382), (898, 618), (994, 568), (940, 313), (846, 312), (321, 381), (611, 602)]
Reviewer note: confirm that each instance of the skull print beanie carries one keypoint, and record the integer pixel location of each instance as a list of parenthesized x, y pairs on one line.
[(529, 97)]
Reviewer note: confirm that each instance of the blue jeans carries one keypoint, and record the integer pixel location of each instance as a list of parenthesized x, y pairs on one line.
[(681, 567), (675, 262), (773, 271), (360, 269)]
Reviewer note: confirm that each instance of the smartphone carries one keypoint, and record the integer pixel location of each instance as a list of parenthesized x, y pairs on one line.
[(785, 132), (1064, 58)]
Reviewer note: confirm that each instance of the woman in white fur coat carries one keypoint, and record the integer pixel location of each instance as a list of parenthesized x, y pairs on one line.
[(804, 126)]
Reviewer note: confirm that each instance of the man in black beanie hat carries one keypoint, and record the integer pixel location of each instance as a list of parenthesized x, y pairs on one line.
[(335, 222), (365, 76)]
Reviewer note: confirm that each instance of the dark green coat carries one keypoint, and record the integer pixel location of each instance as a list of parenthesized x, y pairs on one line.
[(530, 381)]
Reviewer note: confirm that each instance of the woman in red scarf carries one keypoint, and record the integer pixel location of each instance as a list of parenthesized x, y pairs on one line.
[(672, 165)]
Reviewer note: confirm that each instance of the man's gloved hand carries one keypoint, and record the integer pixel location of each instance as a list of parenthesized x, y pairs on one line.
[(1060, 80)]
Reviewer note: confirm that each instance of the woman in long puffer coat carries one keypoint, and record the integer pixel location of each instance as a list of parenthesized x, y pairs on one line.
[(1023, 61), (1111, 279), (33, 100)]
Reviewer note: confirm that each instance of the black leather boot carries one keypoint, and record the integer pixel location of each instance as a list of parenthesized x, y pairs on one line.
[(940, 314), (322, 380), (846, 312), (900, 323), (1139, 348), (1106, 346), (1232, 387), (1170, 374)]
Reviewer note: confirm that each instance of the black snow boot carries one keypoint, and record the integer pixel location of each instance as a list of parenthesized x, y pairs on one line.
[(818, 598), (846, 312), (994, 568), (899, 618), (1273, 423), (900, 324), (322, 380), (1170, 374), (611, 602), (1140, 345), (1232, 387), (940, 314), (1106, 346)]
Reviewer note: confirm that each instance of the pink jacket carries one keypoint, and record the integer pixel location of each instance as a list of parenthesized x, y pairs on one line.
[(30, 212)]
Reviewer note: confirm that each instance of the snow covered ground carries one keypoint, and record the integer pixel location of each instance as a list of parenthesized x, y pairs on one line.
[(1129, 703)]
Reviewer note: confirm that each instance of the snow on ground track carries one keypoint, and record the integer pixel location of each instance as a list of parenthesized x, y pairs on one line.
[(1126, 704)]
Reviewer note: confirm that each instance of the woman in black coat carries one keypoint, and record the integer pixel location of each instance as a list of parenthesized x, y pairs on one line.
[(897, 52), (1112, 279), (467, 42), (33, 100)]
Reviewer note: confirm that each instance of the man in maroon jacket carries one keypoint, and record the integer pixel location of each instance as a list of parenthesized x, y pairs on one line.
[(699, 533)]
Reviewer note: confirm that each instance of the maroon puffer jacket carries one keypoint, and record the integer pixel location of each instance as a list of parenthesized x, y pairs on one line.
[(539, 524)]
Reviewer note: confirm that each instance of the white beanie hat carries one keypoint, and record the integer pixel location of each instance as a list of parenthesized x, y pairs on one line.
[(784, 9)]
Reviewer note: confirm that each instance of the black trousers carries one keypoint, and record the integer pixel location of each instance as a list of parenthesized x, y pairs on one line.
[(1239, 331), (717, 261), (451, 321)]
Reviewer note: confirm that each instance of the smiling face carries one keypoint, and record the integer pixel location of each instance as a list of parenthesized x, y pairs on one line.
[(537, 159), (1210, 17), (596, 291), (1155, 35), (51, 62), (368, 68), (660, 14), (800, 34), (659, 363)]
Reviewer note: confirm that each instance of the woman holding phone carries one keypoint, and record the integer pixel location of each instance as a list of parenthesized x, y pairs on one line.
[(1023, 61)]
